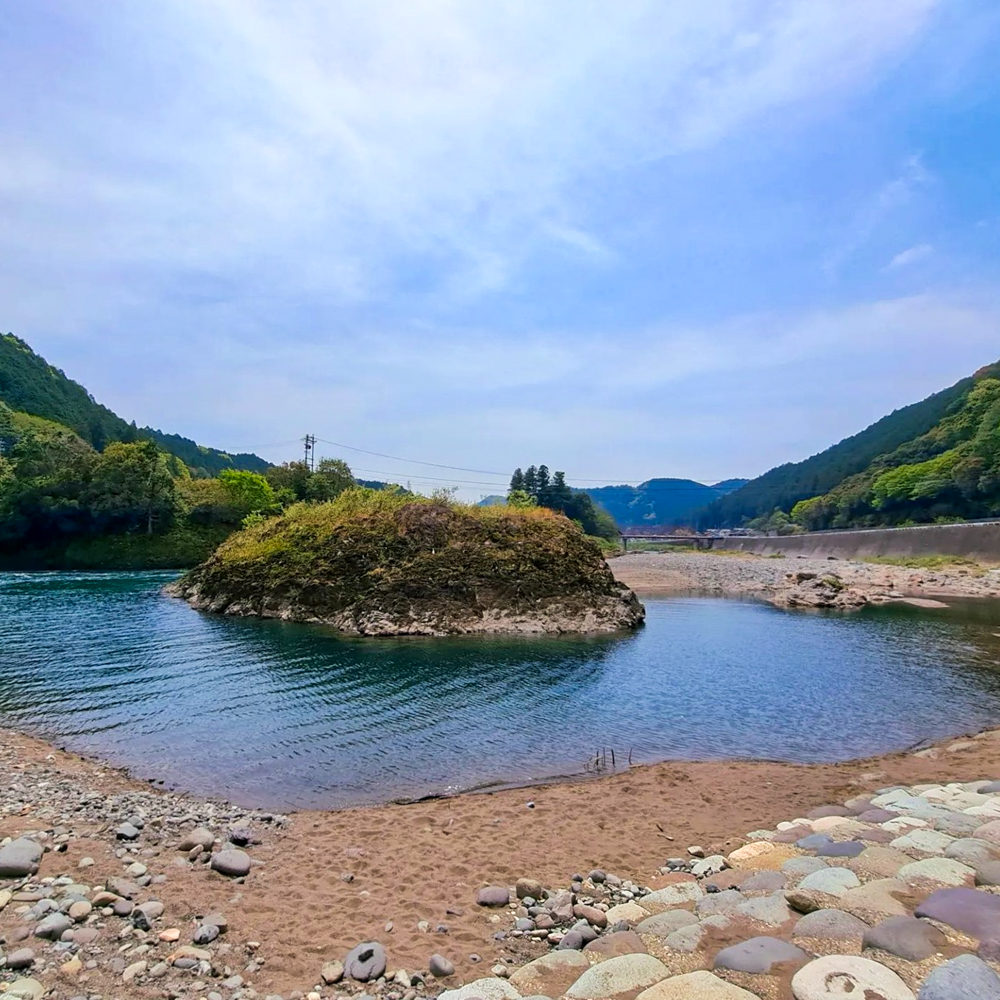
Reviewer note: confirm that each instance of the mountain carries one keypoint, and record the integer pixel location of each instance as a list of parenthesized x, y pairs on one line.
[(939, 458), (28, 383), (659, 501)]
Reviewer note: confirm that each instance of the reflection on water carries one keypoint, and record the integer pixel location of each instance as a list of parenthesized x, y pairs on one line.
[(284, 715)]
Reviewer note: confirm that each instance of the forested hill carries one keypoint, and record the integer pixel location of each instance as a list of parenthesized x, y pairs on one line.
[(28, 383), (944, 451), (661, 502)]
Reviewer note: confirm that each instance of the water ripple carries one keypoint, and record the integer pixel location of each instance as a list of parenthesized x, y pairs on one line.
[(283, 715)]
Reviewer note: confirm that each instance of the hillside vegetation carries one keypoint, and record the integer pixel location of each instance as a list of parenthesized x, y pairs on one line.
[(383, 563), (783, 487), (938, 459), (29, 384)]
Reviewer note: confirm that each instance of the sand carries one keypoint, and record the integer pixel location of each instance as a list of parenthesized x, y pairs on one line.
[(418, 862)]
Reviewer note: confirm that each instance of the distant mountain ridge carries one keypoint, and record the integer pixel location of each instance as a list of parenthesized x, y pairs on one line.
[(663, 501), (29, 384), (937, 458)]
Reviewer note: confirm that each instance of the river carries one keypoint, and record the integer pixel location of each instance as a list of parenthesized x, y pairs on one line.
[(282, 716)]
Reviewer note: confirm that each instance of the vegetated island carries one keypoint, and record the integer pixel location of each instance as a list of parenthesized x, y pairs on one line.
[(380, 563)]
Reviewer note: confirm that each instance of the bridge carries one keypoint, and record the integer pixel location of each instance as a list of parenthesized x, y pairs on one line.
[(698, 541)]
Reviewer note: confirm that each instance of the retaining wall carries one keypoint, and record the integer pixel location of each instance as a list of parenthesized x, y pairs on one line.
[(974, 541)]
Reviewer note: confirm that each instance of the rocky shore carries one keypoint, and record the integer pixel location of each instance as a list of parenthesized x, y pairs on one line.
[(794, 582), (109, 889)]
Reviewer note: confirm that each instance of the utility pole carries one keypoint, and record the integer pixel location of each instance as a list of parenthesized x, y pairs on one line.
[(310, 440)]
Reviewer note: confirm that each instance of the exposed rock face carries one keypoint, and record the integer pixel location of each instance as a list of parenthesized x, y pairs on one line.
[(809, 590), (382, 565)]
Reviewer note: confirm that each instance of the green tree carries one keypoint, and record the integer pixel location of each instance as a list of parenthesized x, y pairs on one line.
[(331, 478), (516, 482), (249, 492), (520, 498), (531, 481), (132, 487)]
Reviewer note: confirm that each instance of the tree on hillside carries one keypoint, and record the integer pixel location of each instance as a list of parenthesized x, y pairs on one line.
[(531, 481), (331, 478), (517, 482), (131, 488), (249, 492), (553, 492)]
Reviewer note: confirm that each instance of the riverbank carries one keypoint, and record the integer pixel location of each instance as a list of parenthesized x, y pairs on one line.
[(407, 876), (800, 582)]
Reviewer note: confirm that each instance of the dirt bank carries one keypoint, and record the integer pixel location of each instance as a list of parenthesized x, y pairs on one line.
[(329, 880), (658, 573)]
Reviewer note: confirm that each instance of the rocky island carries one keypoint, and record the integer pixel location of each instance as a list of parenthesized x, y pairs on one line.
[(378, 563)]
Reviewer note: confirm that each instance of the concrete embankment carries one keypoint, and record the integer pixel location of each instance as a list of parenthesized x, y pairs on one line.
[(980, 541)]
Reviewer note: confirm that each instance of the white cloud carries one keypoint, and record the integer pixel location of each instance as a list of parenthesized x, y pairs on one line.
[(909, 256)]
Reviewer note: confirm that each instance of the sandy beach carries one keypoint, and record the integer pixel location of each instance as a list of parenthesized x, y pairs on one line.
[(425, 862)]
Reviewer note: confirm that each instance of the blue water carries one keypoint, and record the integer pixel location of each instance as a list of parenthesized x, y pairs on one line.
[(280, 715)]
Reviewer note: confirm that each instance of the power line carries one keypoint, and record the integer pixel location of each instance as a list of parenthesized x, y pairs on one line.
[(485, 472)]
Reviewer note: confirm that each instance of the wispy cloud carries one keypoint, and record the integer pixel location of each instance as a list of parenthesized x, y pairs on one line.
[(909, 256)]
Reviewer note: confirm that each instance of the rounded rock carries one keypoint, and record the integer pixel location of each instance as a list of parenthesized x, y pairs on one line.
[(20, 858), (757, 955), (493, 895), (440, 967), (365, 962), (905, 937), (233, 863), (965, 977), (831, 925), (848, 976), (696, 986)]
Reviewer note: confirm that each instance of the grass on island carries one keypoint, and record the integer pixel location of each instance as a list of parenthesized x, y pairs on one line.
[(368, 544)]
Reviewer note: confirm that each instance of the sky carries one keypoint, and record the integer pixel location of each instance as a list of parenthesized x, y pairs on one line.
[(630, 240)]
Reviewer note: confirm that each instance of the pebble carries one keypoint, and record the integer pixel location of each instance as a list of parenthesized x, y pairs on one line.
[(850, 976), (696, 986), (832, 881), (23, 958), (20, 858), (906, 937), (440, 967), (493, 896), (833, 925), (758, 954), (232, 863), (332, 973), (963, 978), (365, 962)]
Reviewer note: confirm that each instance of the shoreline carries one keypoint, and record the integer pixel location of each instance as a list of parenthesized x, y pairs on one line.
[(332, 878)]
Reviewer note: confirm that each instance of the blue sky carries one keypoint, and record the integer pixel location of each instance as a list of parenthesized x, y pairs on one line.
[(631, 240)]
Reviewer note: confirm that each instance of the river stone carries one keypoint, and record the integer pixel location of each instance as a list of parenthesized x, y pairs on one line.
[(593, 916), (881, 862), (20, 858), (695, 986), (630, 912), (758, 954), (813, 841), (198, 837), (127, 832), (528, 887), (483, 989), (970, 851), (572, 940), (990, 832), (873, 901), (673, 895), (551, 975), (440, 967), (53, 926), (963, 978), (823, 812), (493, 895), (804, 866), (365, 962), (764, 882), (24, 989), (831, 925), (627, 974), (927, 841), (848, 976), (616, 943), (942, 871), (841, 849), (906, 937), (719, 902), (970, 911), (332, 973), (232, 863), (832, 881), (772, 911), (957, 824), (685, 939), (875, 816), (20, 959), (666, 923)]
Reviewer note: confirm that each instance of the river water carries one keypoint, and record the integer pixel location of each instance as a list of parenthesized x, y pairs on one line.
[(279, 715)]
